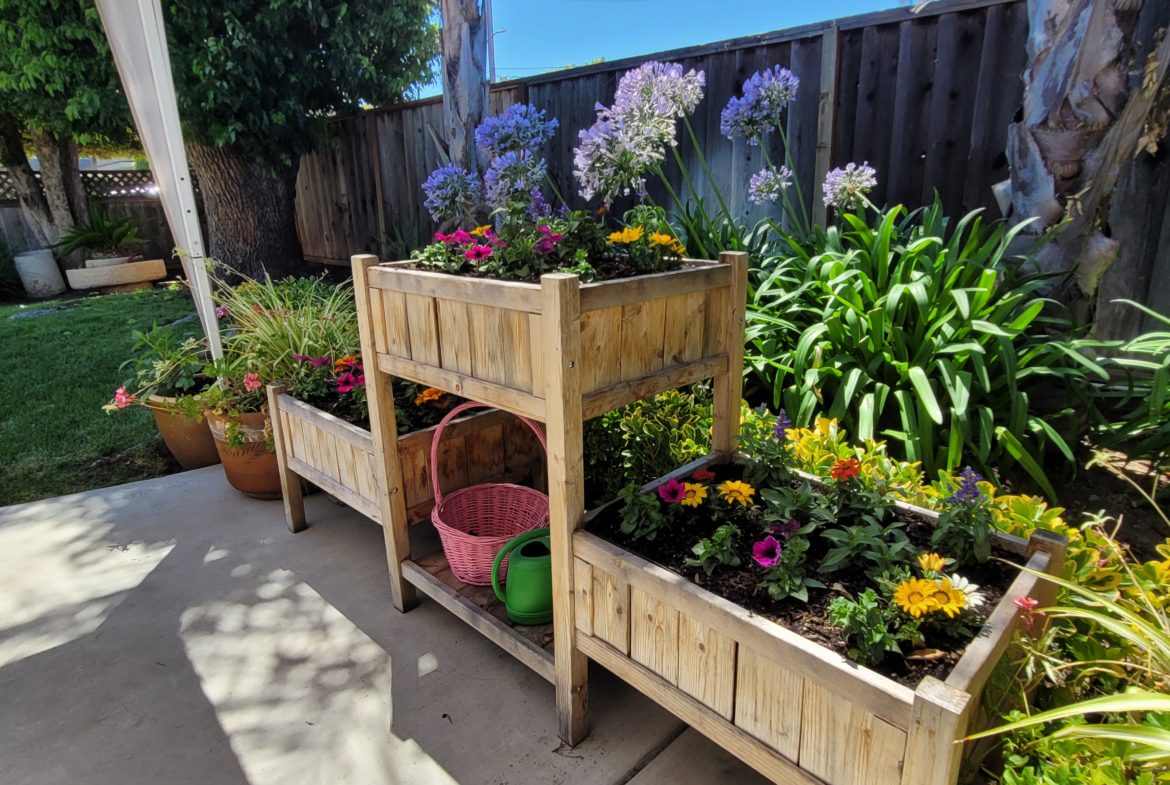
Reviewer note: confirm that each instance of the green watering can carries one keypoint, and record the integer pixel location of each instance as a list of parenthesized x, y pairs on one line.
[(529, 585)]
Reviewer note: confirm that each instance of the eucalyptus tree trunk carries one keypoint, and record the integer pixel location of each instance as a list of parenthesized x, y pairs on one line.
[(33, 205), (465, 84), (1088, 105)]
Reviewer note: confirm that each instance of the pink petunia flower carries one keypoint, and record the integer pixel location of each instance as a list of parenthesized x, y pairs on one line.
[(766, 552), (672, 491), (252, 381), (122, 399), (346, 382), (478, 252), (462, 237), (317, 362)]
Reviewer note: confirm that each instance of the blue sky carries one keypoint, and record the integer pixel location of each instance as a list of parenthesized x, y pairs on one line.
[(533, 36)]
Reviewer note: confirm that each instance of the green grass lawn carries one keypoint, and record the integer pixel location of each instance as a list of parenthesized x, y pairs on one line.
[(56, 372)]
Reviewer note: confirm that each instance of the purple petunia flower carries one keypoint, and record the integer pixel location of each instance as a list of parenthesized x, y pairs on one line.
[(845, 188), (450, 192), (968, 490), (781, 425), (317, 362), (766, 552), (768, 184), (786, 529), (519, 128), (302, 358), (548, 242), (765, 95)]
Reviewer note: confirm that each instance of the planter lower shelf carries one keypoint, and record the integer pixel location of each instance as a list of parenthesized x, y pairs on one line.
[(793, 710), (339, 457)]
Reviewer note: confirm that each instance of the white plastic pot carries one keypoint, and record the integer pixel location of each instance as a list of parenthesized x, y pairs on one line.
[(39, 273)]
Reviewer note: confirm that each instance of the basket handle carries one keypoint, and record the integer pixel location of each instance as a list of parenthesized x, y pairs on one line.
[(438, 436)]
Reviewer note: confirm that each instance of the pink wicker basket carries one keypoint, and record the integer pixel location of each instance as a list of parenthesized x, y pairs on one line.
[(475, 522)]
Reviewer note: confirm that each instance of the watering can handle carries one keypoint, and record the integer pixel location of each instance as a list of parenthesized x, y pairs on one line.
[(509, 546)]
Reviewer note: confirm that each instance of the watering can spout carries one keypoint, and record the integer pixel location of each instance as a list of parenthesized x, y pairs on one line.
[(527, 594)]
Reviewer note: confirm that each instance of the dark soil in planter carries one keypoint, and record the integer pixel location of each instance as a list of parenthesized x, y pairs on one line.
[(609, 269), (672, 547)]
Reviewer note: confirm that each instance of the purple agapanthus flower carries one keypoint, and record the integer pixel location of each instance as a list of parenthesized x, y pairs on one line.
[(519, 128), (450, 192), (768, 184), (538, 207), (512, 177), (845, 188), (968, 490), (765, 95), (781, 425), (766, 552), (630, 137)]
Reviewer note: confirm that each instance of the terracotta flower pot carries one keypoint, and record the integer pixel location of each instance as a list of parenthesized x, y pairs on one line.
[(251, 468), (188, 440)]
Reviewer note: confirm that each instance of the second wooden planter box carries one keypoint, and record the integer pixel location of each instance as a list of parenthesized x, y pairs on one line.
[(795, 711), (339, 458)]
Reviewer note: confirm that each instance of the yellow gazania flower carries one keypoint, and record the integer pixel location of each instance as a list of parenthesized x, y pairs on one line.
[(669, 242), (947, 598), (915, 596), (479, 230), (631, 234), (735, 491), (931, 562), (693, 494), (428, 395)]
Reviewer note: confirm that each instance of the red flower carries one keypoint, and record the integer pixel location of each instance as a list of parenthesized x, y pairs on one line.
[(346, 382), (702, 475), (252, 381), (846, 470), (672, 491)]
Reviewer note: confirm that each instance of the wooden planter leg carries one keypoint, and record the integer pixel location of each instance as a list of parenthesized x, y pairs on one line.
[(380, 399), (290, 482), (940, 715), (561, 307), (729, 386)]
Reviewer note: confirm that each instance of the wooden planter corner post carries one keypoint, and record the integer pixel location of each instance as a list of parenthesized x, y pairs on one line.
[(290, 482), (729, 386), (383, 426)]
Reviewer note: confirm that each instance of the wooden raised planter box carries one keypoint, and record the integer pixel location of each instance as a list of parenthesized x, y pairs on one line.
[(792, 709), (340, 458)]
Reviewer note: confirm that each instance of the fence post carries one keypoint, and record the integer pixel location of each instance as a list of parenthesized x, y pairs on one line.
[(826, 118)]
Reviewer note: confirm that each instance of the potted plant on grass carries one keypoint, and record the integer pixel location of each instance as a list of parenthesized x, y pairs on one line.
[(108, 242), (168, 375)]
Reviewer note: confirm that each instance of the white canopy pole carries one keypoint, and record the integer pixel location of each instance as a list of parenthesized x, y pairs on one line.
[(138, 40)]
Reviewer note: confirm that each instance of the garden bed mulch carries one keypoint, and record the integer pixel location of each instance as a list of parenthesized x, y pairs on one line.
[(672, 547)]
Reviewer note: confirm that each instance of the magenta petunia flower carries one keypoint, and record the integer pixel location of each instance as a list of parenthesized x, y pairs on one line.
[(766, 552), (317, 362), (478, 252), (672, 491), (302, 358), (462, 237), (346, 382)]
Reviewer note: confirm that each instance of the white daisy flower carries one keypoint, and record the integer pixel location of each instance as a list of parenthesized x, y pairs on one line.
[(970, 590)]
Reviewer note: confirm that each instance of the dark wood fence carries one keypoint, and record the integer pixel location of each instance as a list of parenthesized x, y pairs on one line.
[(925, 98)]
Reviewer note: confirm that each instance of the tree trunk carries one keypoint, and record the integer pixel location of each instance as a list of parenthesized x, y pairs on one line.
[(465, 85), (61, 183), (33, 205), (1087, 102), (251, 219)]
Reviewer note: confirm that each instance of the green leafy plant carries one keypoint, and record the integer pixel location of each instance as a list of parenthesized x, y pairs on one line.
[(871, 631), (920, 329), (870, 546), (965, 523), (102, 237), (641, 514), (718, 550)]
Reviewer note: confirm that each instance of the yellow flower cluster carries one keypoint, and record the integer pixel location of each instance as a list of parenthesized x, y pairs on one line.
[(736, 492), (694, 494), (670, 242), (631, 234), (479, 230), (921, 596)]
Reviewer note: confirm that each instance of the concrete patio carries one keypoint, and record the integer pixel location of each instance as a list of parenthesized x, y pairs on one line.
[(173, 631)]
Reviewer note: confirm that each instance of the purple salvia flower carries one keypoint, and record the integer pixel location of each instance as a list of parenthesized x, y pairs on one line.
[(768, 184), (765, 95), (845, 188), (519, 128), (450, 192), (781, 425), (968, 490)]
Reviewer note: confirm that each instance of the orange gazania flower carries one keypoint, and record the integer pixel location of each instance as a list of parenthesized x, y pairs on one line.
[(345, 363), (846, 470), (428, 395)]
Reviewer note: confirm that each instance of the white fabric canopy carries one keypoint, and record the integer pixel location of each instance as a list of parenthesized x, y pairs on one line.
[(139, 42)]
